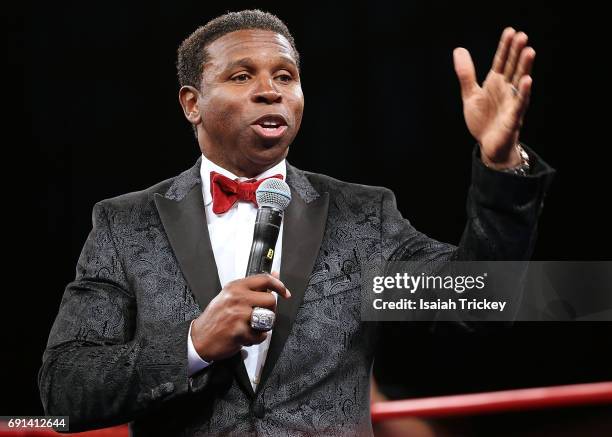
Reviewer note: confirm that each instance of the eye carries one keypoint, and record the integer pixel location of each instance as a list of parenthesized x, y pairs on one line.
[(241, 78), (286, 78)]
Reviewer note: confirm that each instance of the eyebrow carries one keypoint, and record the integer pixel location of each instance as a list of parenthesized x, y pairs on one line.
[(249, 63)]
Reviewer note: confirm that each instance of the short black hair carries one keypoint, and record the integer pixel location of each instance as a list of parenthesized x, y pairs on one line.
[(192, 54)]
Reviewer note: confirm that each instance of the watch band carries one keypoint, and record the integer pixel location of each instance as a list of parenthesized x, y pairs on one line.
[(523, 168)]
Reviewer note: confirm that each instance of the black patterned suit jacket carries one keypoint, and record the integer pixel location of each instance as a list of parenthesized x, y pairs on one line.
[(117, 351)]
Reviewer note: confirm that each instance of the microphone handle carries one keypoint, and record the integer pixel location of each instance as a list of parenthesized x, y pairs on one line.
[(265, 235)]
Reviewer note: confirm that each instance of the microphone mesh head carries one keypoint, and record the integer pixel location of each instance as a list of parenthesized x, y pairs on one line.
[(273, 193)]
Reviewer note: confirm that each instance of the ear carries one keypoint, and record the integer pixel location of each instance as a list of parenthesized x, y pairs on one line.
[(188, 97)]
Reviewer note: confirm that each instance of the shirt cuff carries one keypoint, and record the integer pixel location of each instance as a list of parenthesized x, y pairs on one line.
[(195, 363)]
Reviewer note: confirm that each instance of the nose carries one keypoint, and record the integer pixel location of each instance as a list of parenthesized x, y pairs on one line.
[(266, 92)]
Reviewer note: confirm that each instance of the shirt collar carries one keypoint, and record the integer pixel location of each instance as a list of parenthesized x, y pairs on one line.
[(207, 166)]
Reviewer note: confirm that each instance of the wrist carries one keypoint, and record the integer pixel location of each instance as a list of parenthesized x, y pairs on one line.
[(516, 163), (196, 344)]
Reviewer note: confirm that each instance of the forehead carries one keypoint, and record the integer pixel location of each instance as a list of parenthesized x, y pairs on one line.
[(248, 43)]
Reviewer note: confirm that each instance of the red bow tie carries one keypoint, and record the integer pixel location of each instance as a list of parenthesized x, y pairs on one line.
[(225, 191)]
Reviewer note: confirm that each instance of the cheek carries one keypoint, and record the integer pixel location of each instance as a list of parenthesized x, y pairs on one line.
[(222, 113), (297, 105)]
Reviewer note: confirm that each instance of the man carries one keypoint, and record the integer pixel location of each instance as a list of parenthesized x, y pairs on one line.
[(156, 330)]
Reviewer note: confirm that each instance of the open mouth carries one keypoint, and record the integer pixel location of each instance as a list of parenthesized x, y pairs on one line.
[(270, 126)]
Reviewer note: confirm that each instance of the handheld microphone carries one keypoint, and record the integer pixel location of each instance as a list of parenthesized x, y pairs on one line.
[(273, 196)]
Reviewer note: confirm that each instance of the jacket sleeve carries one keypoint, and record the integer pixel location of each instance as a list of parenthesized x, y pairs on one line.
[(502, 215), (99, 368)]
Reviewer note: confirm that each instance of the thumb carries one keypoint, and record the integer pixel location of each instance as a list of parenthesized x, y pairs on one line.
[(464, 67)]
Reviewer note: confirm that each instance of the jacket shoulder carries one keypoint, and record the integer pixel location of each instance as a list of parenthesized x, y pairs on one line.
[(336, 187), (137, 199)]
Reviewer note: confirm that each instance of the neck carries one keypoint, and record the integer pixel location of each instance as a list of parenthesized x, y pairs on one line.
[(250, 171)]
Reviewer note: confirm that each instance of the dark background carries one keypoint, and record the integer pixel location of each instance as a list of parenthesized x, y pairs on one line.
[(382, 107)]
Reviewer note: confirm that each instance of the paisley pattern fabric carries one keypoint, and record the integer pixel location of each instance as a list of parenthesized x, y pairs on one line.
[(117, 351)]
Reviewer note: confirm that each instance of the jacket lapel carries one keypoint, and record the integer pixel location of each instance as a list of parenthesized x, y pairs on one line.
[(184, 221), (183, 216), (303, 228)]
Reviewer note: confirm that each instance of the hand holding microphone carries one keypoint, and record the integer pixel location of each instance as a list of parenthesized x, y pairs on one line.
[(224, 326)]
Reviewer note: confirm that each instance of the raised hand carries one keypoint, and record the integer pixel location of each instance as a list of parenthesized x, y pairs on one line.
[(494, 112)]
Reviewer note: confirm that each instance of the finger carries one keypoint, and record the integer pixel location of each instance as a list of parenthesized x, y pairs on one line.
[(277, 276), (252, 336), (518, 43), (525, 65), (503, 48), (523, 97), (265, 282), (464, 67), (259, 299)]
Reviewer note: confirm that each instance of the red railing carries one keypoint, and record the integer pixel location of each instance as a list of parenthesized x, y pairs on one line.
[(440, 406), (495, 402)]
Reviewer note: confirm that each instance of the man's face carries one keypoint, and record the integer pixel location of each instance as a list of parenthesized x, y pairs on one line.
[(250, 101)]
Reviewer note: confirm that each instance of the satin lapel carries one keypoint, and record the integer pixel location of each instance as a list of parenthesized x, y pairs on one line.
[(185, 224), (303, 228)]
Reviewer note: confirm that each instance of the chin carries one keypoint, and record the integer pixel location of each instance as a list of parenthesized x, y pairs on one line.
[(266, 159), (267, 151)]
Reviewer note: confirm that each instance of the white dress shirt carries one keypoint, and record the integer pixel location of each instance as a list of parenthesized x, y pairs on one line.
[(231, 235)]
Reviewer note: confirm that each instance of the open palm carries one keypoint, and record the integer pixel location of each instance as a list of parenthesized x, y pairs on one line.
[(494, 111)]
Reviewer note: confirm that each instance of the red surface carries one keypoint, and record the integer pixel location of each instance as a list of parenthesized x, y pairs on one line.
[(116, 431), (495, 402)]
